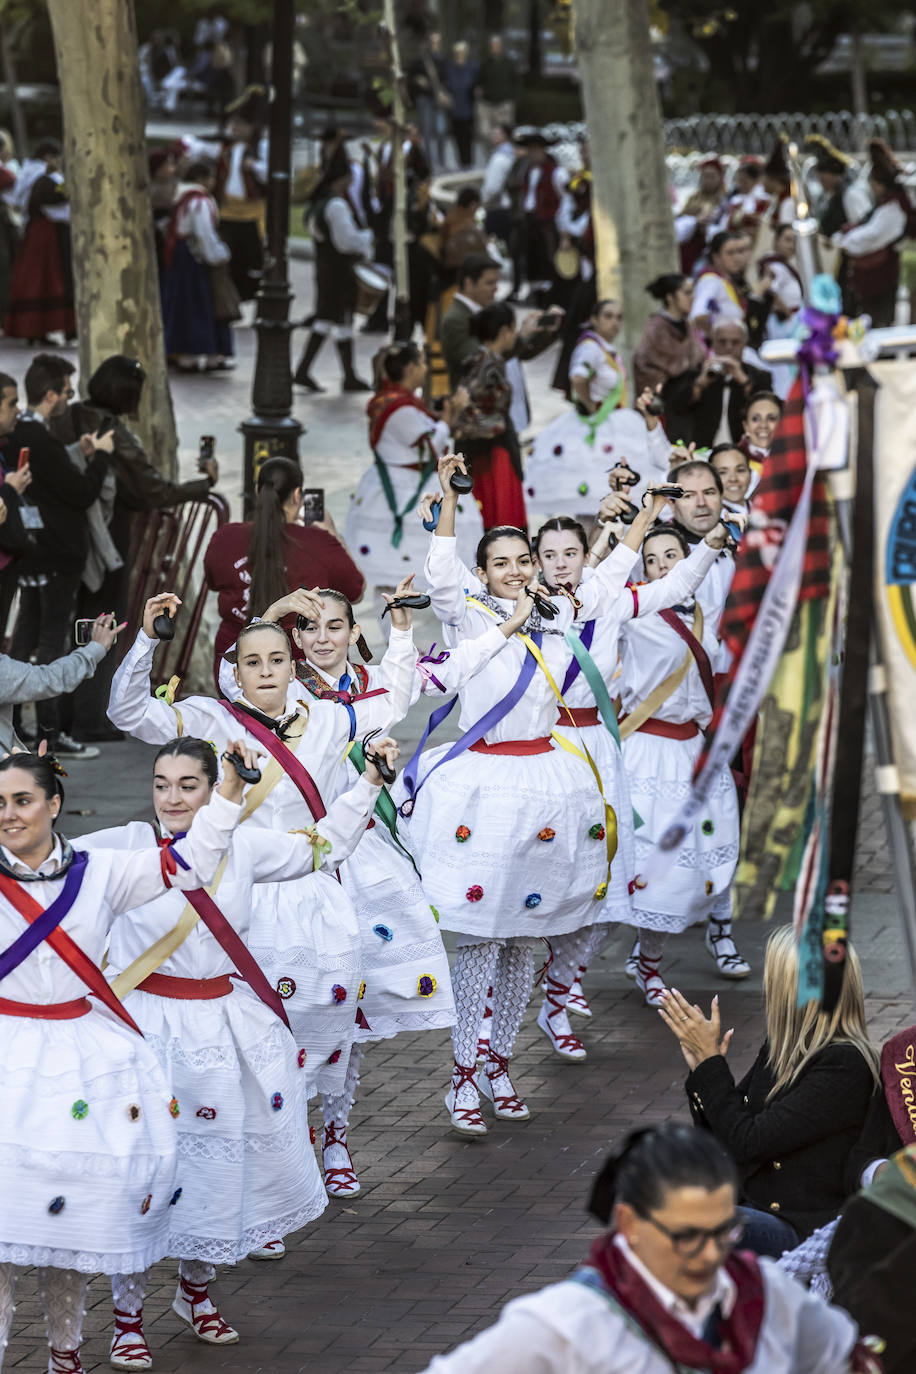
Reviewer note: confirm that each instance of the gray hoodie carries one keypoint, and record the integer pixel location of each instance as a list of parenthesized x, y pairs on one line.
[(21, 682)]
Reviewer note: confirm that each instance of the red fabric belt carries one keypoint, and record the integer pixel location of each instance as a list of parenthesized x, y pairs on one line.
[(668, 729), (581, 716), (187, 989), (51, 1011), (514, 746)]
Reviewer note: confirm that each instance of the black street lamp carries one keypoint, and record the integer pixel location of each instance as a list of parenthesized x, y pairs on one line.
[(273, 431)]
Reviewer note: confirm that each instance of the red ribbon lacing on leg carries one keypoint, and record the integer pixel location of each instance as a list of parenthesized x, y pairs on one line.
[(205, 1323), (130, 1324), (497, 1066), (65, 1362), (557, 993), (461, 1074), (342, 1179), (540, 976)]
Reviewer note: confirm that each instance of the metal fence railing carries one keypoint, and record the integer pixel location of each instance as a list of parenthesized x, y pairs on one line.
[(755, 133)]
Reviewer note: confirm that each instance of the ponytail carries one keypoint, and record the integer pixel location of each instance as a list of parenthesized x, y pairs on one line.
[(277, 480)]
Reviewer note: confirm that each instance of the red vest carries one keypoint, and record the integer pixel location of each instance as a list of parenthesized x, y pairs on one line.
[(546, 200)]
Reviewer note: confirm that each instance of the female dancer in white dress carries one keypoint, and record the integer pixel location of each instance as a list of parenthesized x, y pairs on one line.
[(510, 834), (382, 531), (659, 755), (568, 466), (307, 943), (561, 546), (404, 963), (87, 1131), (247, 1170)]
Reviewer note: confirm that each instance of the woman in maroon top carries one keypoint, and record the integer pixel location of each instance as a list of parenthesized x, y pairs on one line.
[(252, 564)]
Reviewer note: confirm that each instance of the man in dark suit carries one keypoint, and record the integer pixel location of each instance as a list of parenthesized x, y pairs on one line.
[(706, 405)]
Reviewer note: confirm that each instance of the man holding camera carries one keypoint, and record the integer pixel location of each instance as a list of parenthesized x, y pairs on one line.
[(706, 405), (54, 515)]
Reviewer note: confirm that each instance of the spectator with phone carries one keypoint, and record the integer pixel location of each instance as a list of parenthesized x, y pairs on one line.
[(135, 486), (706, 404), (252, 563), (54, 514), (37, 682)]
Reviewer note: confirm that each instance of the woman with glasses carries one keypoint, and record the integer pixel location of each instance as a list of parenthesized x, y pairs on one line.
[(794, 1118), (570, 460), (664, 1288)]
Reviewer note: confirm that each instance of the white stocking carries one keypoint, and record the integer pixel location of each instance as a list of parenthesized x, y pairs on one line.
[(337, 1106), (651, 943), (63, 1300), (597, 937), (197, 1272), (569, 953), (128, 1292), (7, 1306), (473, 972), (511, 992)]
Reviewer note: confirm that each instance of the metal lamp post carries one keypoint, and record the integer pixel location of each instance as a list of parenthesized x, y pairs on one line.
[(272, 431)]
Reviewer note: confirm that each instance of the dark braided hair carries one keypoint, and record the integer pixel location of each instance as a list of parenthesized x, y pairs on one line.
[(654, 1160)]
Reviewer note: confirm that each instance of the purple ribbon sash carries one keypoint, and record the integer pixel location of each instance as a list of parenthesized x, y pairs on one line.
[(575, 667), (49, 919)]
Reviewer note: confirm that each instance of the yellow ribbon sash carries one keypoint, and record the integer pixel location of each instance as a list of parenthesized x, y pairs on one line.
[(667, 687), (151, 959)]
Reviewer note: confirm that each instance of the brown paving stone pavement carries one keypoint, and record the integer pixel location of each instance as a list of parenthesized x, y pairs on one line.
[(445, 1231)]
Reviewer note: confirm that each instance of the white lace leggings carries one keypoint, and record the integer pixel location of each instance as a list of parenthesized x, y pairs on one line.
[(63, 1300), (337, 1106), (509, 969), (129, 1290)]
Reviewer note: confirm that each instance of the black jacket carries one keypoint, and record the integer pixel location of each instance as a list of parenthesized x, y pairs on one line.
[(697, 421), (62, 494), (879, 1140), (791, 1152), (871, 1263)]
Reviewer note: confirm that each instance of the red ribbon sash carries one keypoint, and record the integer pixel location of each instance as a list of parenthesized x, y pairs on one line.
[(287, 760), (700, 655), (75, 959)]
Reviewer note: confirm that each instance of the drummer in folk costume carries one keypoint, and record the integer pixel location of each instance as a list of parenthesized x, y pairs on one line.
[(873, 245), (306, 946), (542, 187), (844, 201), (404, 964), (87, 1135), (248, 1172), (407, 441), (340, 243), (532, 853), (569, 462), (588, 719)]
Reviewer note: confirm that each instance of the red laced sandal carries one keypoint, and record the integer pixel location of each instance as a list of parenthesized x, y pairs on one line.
[(555, 1022), (192, 1303), (128, 1344), (339, 1180), (577, 1002), (466, 1120), (649, 981), (496, 1086), (65, 1362)]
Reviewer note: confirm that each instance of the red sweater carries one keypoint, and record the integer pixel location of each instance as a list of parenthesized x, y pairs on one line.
[(313, 558)]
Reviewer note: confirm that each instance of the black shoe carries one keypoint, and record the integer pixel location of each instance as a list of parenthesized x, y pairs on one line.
[(354, 383), (309, 384), (66, 747)]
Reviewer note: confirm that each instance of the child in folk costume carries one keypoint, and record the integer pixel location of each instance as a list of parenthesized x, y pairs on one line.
[(666, 693), (406, 442), (567, 469), (530, 856), (307, 941), (247, 1170), (764, 411), (404, 964), (87, 1133), (561, 549)]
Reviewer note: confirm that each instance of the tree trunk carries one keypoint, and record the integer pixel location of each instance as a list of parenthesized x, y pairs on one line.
[(402, 321), (114, 256), (631, 204), (9, 76)]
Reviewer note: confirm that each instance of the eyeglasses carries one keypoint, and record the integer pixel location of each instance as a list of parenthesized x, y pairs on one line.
[(692, 1241)]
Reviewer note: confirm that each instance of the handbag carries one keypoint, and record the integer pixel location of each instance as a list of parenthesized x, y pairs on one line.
[(223, 294)]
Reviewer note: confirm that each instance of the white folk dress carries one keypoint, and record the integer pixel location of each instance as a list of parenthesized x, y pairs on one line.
[(503, 840), (246, 1167), (409, 439), (569, 1328), (88, 1130), (640, 601), (566, 473), (660, 771), (305, 941)]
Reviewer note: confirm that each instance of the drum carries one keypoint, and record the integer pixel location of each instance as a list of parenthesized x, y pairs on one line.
[(372, 280), (566, 263)]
